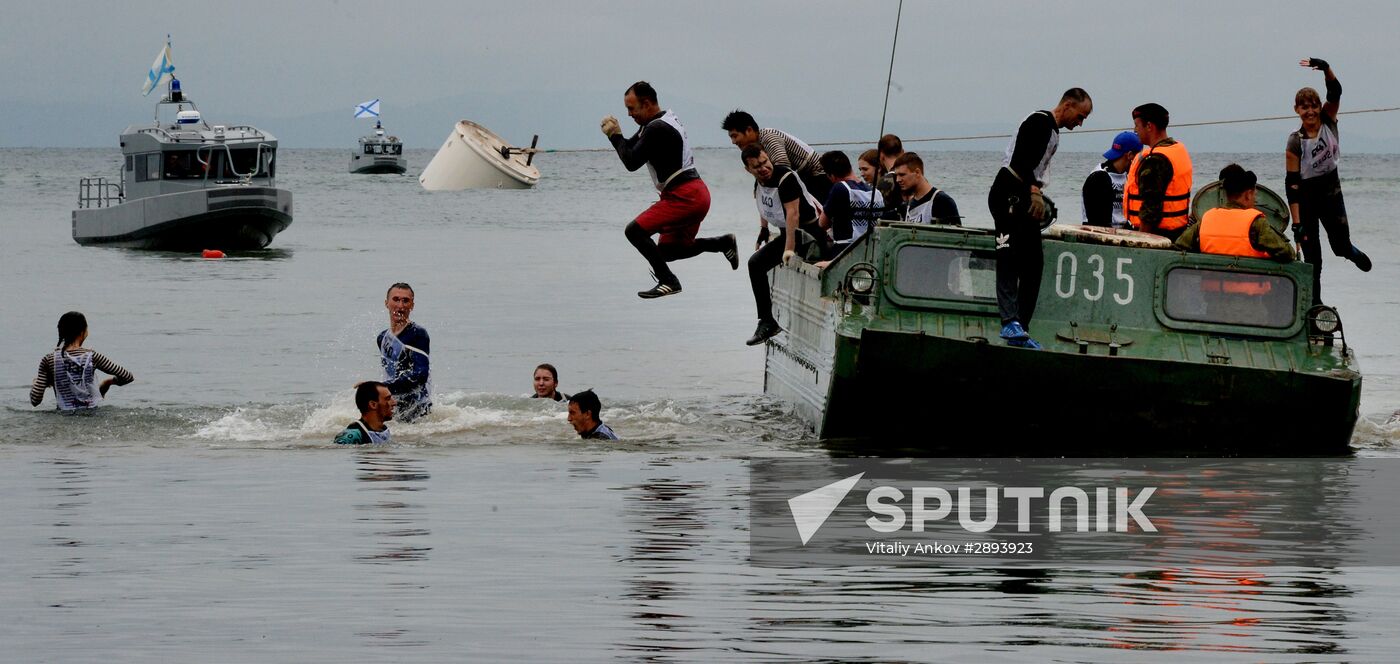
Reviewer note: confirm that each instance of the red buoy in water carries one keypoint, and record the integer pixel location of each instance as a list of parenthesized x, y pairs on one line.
[(213, 253)]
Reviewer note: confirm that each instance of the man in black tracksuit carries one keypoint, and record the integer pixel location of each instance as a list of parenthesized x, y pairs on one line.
[(1018, 207)]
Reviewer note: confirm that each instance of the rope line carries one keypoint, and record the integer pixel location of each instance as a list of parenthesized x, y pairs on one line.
[(986, 136)]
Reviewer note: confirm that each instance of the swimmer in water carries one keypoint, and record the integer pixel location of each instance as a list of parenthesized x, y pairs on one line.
[(403, 350), (546, 383), (71, 369), (376, 406)]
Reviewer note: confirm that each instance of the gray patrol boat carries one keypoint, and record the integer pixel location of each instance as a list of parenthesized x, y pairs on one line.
[(186, 185), (378, 153)]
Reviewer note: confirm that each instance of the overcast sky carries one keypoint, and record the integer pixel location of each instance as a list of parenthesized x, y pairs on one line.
[(74, 69)]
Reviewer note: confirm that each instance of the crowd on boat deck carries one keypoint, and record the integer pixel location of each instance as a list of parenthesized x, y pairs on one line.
[(810, 205)]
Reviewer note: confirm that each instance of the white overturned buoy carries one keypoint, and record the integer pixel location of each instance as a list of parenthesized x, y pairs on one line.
[(474, 157)]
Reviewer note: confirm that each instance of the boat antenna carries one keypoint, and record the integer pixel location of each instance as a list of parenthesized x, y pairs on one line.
[(890, 77)]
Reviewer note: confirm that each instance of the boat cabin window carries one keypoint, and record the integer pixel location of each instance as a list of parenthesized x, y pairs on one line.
[(369, 148), (945, 274), (147, 167), (1230, 298), (237, 163), (182, 165), (128, 163), (395, 148)]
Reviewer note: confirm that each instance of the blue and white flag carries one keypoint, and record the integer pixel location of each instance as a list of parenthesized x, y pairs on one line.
[(162, 70), (369, 109)]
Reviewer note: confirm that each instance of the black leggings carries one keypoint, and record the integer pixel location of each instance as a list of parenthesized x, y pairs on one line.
[(659, 255), (1329, 211)]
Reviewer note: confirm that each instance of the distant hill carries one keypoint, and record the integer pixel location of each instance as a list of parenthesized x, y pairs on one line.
[(569, 119)]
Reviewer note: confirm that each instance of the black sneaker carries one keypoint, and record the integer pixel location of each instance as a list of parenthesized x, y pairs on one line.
[(731, 251), (766, 330), (660, 290), (1361, 259)]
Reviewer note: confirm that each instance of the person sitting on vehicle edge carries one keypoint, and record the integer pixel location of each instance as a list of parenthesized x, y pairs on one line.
[(584, 412), (376, 406), (1237, 229), (783, 201)]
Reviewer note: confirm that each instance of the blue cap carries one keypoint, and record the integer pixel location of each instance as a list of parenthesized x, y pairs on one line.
[(1123, 143)]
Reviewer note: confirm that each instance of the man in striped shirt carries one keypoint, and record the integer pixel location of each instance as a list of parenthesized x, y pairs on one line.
[(783, 149)]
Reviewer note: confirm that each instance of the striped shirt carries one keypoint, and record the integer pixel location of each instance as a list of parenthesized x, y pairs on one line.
[(44, 379), (784, 149)]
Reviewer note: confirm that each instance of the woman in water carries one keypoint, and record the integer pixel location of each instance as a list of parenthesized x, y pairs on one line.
[(547, 383), (71, 369)]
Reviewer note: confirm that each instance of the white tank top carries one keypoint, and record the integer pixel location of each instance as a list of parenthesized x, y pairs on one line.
[(923, 212), (73, 381), (374, 437), (770, 205), (1042, 169), (1320, 155), (1119, 181), (687, 158)]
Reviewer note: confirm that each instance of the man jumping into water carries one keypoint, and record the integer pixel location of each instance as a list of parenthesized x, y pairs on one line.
[(661, 145)]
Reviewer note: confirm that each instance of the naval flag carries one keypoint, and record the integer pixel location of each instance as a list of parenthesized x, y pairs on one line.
[(162, 70), (369, 109)]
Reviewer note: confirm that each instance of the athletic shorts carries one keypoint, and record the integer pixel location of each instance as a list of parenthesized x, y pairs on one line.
[(678, 214)]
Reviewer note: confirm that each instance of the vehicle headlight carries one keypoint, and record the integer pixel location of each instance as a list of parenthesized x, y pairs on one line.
[(1325, 319), (861, 279)]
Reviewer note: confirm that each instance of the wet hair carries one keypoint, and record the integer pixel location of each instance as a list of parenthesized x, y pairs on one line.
[(1307, 95), (588, 403), (836, 163), (1235, 180), (399, 285), (1154, 113), (554, 373), (910, 159), (751, 152), (891, 145), (366, 392), (738, 120), (643, 91), (71, 326), (1076, 95)]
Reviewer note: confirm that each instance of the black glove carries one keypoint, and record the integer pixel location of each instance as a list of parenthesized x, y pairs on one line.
[(762, 236), (1318, 64)]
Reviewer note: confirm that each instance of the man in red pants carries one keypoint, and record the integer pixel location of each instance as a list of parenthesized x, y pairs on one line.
[(661, 145)]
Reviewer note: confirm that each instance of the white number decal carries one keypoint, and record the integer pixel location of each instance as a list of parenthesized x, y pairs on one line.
[(1124, 276), (1098, 274), (1066, 276), (1065, 292)]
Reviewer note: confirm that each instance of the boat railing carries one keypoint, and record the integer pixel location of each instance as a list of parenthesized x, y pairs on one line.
[(247, 129), (243, 178), (157, 131), (98, 192)]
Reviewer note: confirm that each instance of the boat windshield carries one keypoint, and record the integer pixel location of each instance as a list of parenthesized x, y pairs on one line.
[(945, 274), (383, 148), (233, 164), (182, 165), (1230, 298)]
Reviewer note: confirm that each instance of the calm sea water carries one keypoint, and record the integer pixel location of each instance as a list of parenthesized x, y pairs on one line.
[(202, 514)]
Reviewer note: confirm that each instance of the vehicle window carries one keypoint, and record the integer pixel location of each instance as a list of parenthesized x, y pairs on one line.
[(1230, 298), (945, 274)]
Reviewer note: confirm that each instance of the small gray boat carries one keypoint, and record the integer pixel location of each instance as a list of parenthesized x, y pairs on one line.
[(186, 185), (378, 154)]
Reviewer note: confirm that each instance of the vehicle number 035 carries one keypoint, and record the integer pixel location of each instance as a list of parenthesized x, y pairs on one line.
[(1095, 284)]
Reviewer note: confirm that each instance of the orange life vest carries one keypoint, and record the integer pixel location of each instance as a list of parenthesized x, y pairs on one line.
[(1226, 231), (1176, 205)]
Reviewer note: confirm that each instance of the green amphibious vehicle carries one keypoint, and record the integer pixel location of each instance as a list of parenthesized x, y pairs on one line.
[(1147, 349)]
